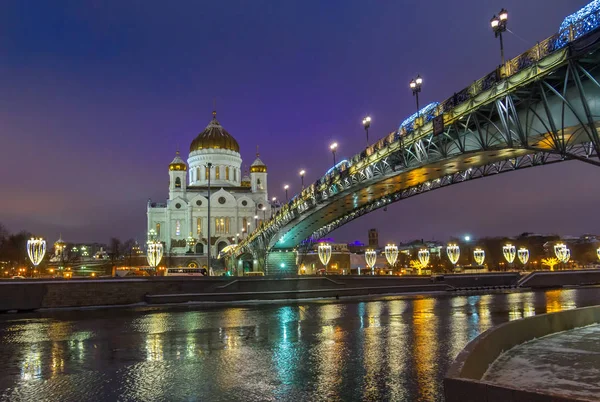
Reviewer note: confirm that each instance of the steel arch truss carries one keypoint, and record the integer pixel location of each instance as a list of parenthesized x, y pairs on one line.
[(550, 118)]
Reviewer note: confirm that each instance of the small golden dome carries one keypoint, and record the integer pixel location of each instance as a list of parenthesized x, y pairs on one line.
[(214, 136), (258, 166), (178, 163)]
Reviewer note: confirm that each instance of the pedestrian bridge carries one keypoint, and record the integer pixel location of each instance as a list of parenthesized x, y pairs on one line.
[(541, 107)]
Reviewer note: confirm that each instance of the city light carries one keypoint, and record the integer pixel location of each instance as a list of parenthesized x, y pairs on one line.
[(415, 86), (523, 255), (155, 253), (423, 255), (562, 252), (509, 251), (467, 238), (333, 148), (366, 124), (498, 25), (479, 256), (324, 251), (36, 249), (453, 253), (391, 254), (371, 258), (302, 173)]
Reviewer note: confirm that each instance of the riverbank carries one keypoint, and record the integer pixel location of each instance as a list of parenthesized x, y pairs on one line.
[(27, 295)]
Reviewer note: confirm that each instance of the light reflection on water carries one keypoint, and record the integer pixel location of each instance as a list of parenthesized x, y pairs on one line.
[(392, 348)]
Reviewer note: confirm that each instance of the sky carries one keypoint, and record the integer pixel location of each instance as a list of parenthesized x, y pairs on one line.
[(96, 97)]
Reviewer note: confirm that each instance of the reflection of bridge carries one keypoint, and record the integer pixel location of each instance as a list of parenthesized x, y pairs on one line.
[(541, 107)]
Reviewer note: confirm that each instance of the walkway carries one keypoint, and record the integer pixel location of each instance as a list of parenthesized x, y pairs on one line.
[(565, 364)]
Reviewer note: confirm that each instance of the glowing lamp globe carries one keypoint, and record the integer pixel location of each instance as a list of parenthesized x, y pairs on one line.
[(523, 255), (423, 257), (479, 256), (453, 252), (36, 249), (391, 254), (324, 251), (509, 252)]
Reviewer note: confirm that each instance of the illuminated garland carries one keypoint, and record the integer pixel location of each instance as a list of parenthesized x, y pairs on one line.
[(423, 257), (391, 254), (523, 255), (509, 252), (479, 256), (453, 252), (36, 249), (324, 251)]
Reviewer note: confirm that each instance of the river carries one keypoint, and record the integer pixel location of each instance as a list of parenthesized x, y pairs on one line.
[(394, 348)]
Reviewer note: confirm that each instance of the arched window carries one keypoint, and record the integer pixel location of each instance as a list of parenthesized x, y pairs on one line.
[(158, 229), (258, 184), (226, 172), (178, 183), (244, 224), (199, 225), (221, 246), (217, 173), (178, 228), (199, 248), (234, 174), (206, 173), (198, 174)]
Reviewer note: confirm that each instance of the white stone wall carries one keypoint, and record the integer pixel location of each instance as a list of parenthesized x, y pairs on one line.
[(221, 159)]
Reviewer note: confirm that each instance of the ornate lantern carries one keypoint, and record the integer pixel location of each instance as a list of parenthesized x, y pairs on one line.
[(509, 252), (523, 255), (453, 252), (155, 253), (370, 258), (566, 255), (479, 256), (423, 255), (36, 249), (324, 251), (391, 254), (559, 251), (191, 242)]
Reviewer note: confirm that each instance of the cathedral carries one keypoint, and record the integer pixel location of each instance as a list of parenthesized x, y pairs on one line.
[(238, 202)]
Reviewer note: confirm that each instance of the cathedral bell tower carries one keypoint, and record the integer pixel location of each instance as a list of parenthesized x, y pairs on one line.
[(177, 177), (258, 177)]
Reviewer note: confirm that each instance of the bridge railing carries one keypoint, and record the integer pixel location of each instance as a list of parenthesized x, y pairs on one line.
[(410, 129)]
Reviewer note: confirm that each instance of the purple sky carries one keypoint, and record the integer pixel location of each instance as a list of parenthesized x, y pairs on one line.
[(97, 96)]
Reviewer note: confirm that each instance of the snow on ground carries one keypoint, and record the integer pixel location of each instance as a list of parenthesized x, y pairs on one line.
[(565, 363)]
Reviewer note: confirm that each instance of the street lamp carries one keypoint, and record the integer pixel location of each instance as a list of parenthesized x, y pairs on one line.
[(366, 125), (286, 187), (36, 249), (302, 173), (453, 252), (498, 26), (370, 259), (208, 166), (479, 256), (391, 254), (415, 85), (333, 148), (324, 251)]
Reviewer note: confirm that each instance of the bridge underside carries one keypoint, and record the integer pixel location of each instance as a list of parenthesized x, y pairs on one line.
[(443, 173)]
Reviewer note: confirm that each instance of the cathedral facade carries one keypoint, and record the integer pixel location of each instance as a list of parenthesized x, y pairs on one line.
[(238, 202)]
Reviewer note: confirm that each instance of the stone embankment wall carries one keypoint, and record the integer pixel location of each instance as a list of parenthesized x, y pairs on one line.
[(463, 380)]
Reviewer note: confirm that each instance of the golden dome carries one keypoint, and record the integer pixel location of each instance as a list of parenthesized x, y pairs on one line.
[(214, 136), (258, 166), (178, 163)]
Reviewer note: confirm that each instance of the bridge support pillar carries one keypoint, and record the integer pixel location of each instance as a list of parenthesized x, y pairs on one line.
[(281, 263)]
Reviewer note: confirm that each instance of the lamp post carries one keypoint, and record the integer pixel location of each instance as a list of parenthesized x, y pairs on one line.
[(498, 26), (302, 173), (286, 187), (333, 148), (415, 85), (366, 124), (36, 249), (209, 167)]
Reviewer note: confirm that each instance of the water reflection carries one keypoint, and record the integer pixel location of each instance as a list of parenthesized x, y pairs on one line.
[(392, 348)]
